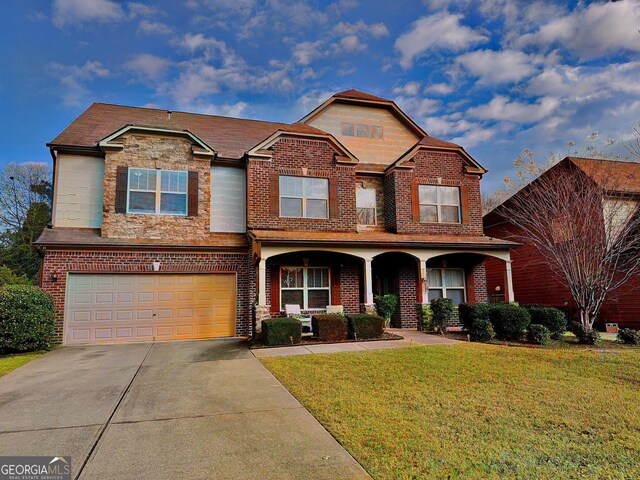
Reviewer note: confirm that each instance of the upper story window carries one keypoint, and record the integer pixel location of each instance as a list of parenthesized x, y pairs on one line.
[(366, 206), (157, 191), (439, 204), (361, 130), (306, 197)]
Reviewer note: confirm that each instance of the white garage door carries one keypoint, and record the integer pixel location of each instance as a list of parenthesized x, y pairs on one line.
[(107, 308)]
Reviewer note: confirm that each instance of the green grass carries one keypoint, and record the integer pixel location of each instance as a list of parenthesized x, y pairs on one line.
[(9, 363), (477, 411)]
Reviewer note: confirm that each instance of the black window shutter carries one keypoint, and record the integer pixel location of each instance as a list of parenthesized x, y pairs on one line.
[(122, 177), (192, 201)]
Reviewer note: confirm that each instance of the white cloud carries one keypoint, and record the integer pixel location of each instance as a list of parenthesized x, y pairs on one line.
[(147, 66), (439, 88), (311, 99), (417, 107), (137, 9), (410, 88), (376, 30), (501, 108), (154, 28), (75, 12), (440, 31), (499, 67), (236, 109), (351, 43), (596, 30), (73, 79), (306, 52)]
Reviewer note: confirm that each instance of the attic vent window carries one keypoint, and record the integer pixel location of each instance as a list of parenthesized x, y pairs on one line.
[(361, 130)]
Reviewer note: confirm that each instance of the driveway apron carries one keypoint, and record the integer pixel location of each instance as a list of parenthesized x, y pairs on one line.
[(186, 409)]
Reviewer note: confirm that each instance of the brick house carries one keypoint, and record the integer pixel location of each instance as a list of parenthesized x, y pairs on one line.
[(533, 279), (176, 225)]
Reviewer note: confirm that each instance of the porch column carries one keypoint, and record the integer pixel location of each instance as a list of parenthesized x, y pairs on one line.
[(262, 282), (368, 306), (510, 296), (424, 284)]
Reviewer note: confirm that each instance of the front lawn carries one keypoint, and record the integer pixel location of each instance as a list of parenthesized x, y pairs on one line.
[(477, 411), (9, 363)]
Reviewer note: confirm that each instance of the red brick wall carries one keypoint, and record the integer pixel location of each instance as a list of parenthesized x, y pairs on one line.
[(478, 292), (407, 284), (296, 157), (435, 168), (60, 262)]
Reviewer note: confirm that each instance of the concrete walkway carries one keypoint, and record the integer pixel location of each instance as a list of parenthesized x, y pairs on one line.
[(193, 409), (411, 337)]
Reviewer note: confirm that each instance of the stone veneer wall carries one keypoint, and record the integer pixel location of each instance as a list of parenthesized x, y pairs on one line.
[(59, 263), (168, 153)]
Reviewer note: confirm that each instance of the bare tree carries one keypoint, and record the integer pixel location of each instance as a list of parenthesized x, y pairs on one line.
[(21, 186), (585, 221)]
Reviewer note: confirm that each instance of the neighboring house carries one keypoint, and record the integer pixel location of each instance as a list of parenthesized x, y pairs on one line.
[(170, 225), (533, 279)]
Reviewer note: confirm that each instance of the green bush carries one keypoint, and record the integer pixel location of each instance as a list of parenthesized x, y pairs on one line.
[(330, 327), (470, 312), (538, 334), (281, 331), (510, 321), (386, 305), (425, 316), (592, 337), (481, 330), (442, 309), (8, 277), (629, 336), (26, 319), (363, 326), (555, 320)]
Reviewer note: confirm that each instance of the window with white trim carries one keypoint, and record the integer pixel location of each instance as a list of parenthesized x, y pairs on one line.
[(305, 197), (308, 287), (157, 191), (439, 204), (361, 130), (366, 206), (447, 283)]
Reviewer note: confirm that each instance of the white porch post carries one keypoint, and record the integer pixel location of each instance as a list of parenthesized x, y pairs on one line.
[(262, 282), (368, 281), (510, 296), (424, 284)]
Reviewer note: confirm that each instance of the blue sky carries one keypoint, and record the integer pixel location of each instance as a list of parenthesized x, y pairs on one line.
[(496, 76)]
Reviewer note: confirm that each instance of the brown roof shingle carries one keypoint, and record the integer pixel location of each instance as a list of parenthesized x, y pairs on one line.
[(230, 137), (614, 175)]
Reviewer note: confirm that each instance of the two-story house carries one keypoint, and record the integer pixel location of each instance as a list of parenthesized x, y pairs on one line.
[(172, 225)]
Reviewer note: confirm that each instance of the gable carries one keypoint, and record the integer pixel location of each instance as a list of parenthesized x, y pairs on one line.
[(396, 137)]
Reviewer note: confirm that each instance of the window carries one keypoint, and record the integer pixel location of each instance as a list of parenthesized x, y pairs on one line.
[(308, 287), (304, 197), (447, 283), (366, 206), (157, 191), (361, 130), (439, 204)]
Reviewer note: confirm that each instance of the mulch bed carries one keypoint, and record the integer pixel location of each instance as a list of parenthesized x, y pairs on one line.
[(315, 341)]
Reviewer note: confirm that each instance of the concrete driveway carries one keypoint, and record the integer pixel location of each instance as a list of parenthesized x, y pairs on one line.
[(193, 409)]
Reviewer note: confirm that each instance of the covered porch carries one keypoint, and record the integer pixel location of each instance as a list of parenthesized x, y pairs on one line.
[(317, 276)]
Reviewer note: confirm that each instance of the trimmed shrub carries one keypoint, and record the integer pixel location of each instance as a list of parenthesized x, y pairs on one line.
[(281, 331), (481, 330), (426, 318), (538, 334), (555, 320), (592, 337), (26, 319), (330, 327), (386, 306), (442, 309), (510, 321), (364, 326), (629, 336), (470, 312)]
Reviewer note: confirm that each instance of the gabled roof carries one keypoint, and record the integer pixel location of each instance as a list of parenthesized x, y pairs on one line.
[(229, 137), (354, 94), (623, 177)]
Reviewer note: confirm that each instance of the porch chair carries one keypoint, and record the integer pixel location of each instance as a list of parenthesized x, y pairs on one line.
[(335, 309), (293, 310)]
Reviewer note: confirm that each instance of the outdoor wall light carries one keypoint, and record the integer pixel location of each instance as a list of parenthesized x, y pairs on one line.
[(156, 266), (54, 277), (498, 288)]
